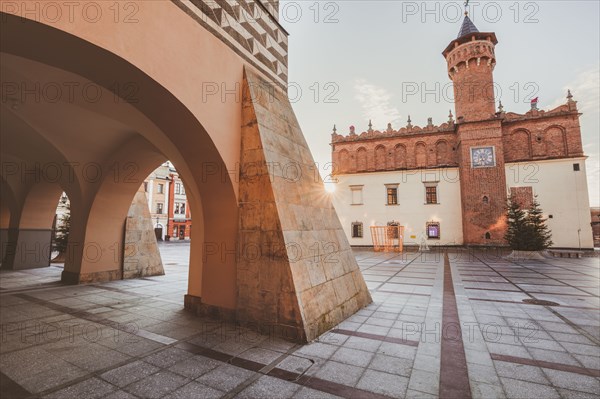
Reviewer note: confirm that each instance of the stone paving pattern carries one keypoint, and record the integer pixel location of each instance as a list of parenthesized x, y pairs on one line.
[(132, 339)]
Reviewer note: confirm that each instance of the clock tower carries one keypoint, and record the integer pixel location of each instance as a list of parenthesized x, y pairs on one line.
[(471, 60)]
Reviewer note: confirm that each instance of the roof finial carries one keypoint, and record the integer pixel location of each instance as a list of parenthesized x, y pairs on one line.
[(409, 124), (569, 95), (500, 107), (370, 126), (334, 129), (450, 117), (466, 8)]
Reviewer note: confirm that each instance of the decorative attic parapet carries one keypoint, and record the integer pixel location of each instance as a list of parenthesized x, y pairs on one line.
[(409, 130), (570, 107)]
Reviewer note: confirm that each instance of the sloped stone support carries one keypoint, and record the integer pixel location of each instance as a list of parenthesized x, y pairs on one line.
[(141, 257), (296, 276)]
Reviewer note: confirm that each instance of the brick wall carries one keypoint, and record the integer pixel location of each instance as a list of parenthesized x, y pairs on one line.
[(542, 135), (395, 153)]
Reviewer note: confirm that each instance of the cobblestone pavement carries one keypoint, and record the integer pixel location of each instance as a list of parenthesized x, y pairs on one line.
[(441, 325)]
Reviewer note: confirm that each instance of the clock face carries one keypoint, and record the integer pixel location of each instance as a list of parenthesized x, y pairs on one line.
[(482, 157)]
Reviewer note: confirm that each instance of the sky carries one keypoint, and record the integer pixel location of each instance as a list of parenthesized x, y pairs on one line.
[(351, 61)]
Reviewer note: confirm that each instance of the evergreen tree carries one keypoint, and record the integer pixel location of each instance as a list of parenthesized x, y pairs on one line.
[(517, 232), (62, 231), (527, 230), (541, 238)]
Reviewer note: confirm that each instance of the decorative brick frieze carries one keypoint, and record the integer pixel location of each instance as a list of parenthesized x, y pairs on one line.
[(250, 28)]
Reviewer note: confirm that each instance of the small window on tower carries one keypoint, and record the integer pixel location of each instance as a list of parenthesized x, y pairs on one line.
[(486, 200), (576, 167), (488, 236)]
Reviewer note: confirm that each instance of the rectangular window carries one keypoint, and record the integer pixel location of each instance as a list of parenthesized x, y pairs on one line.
[(177, 207), (182, 209), (576, 167), (177, 188), (161, 188), (357, 195), (433, 230), (357, 230), (431, 195), (159, 208), (392, 196)]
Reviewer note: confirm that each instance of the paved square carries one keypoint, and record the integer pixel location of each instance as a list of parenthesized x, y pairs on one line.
[(441, 325)]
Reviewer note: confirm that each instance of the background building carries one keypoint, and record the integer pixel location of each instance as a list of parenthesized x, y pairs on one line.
[(156, 187), (596, 225), (450, 183), (168, 203), (180, 221)]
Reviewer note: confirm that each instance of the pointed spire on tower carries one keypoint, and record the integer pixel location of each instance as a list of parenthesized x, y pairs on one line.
[(468, 26)]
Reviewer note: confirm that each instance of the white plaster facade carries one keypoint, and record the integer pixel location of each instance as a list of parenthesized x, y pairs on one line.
[(561, 191)]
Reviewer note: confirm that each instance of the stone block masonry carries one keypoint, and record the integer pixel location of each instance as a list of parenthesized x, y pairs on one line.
[(305, 279)]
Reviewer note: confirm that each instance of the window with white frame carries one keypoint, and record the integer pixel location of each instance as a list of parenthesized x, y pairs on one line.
[(357, 194), (391, 191), (431, 193)]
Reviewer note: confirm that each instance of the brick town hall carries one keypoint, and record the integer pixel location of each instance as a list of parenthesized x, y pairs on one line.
[(449, 183)]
